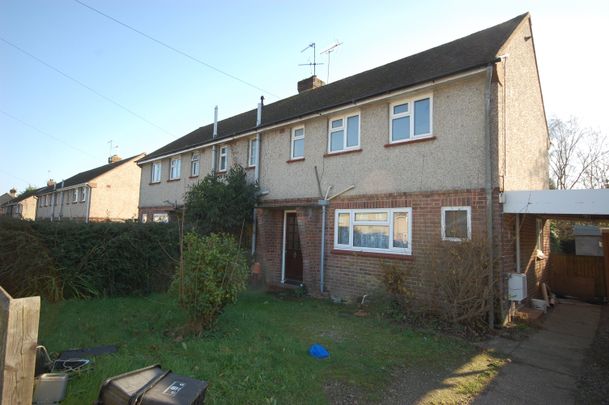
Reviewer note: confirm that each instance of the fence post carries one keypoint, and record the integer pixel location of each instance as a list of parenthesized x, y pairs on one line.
[(19, 334)]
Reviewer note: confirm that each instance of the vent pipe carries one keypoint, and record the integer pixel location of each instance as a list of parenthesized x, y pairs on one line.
[(215, 134)]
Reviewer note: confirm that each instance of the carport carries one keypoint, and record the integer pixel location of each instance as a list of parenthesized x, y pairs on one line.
[(583, 276)]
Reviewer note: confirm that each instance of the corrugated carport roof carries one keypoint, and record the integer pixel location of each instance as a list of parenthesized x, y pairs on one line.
[(587, 203)]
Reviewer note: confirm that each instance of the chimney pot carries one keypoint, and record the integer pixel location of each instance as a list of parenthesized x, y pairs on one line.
[(50, 182), (310, 83), (114, 159)]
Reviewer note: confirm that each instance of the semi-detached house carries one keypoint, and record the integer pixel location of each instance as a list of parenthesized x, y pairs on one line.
[(383, 165)]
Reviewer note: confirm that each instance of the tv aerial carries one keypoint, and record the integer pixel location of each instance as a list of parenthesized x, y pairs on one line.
[(315, 63), (328, 52)]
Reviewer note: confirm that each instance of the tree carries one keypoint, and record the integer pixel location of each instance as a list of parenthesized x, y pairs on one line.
[(578, 156), (221, 204)]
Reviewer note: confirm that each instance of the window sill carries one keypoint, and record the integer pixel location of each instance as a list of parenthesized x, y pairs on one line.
[(250, 168), (154, 183), (344, 152), (394, 256), (170, 180), (409, 141), (295, 160), (222, 173), (193, 177)]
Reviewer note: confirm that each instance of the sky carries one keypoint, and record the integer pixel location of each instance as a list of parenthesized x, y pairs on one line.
[(76, 86)]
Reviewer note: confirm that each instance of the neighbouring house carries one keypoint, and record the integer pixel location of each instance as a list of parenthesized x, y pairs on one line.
[(22, 206), (384, 166), (6, 197), (106, 193)]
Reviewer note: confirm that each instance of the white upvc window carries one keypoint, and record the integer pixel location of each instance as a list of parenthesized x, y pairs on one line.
[(174, 168), (195, 164), (252, 152), (344, 133), (155, 172), (144, 218), (297, 143), (223, 159), (456, 223), (75, 195), (376, 230), (83, 194), (160, 217), (410, 119)]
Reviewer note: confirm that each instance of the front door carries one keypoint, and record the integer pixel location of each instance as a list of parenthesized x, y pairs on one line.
[(292, 255)]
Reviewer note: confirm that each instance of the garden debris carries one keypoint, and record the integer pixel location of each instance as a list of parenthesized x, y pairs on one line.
[(318, 351), (93, 351)]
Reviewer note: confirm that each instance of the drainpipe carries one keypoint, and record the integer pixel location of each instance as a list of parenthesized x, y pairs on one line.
[(61, 205), (53, 200), (518, 265), (89, 195), (489, 193), (214, 136), (257, 170), (322, 254)]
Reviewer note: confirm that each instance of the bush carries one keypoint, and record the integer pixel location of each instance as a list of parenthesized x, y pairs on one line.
[(75, 260), (221, 204), (215, 272)]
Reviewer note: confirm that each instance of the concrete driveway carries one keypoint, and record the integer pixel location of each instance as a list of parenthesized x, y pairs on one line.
[(544, 368)]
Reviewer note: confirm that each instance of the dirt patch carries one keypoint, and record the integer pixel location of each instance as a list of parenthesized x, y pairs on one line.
[(593, 386)]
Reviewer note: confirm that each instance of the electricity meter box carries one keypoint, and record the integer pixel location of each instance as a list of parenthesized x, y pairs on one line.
[(517, 287)]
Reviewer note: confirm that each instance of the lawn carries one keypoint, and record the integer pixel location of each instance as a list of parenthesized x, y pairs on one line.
[(258, 351)]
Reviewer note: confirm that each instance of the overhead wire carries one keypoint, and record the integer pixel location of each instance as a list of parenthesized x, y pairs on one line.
[(166, 45), (46, 133), (80, 83)]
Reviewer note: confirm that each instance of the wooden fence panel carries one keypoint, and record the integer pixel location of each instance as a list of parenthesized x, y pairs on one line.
[(19, 333), (578, 276)]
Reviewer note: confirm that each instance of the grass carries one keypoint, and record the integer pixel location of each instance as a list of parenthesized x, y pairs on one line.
[(258, 351)]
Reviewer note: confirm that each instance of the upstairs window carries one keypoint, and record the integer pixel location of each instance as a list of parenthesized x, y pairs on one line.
[(343, 133), (297, 143), (195, 165), (83, 194), (252, 154), (155, 172), (223, 159), (75, 195), (381, 230), (174, 168), (410, 119), (456, 223)]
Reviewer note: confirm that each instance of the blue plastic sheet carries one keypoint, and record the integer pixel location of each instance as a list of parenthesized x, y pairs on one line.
[(318, 351)]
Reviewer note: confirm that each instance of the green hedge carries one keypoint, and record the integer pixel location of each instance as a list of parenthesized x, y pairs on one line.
[(74, 260)]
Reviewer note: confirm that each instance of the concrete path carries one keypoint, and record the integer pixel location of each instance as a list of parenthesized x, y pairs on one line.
[(544, 368)]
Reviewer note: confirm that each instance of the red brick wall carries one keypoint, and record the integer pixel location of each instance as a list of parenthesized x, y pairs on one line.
[(537, 270), (349, 275)]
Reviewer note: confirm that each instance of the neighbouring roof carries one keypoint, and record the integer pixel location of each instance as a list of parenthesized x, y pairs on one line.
[(23, 196), (470, 52), (86, 176)]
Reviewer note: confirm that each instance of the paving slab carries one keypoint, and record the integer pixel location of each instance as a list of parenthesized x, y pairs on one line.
[(544, 368)]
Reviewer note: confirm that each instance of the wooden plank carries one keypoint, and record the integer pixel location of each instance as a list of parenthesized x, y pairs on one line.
[(606, 259), (579, 276), (19, 333)]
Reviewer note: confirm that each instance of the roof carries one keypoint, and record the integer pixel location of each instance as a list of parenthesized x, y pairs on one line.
[(23, 196), (587, 203), (86, 176), (467, 53)]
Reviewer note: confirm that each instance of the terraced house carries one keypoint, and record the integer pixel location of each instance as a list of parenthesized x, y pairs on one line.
[(105, 193), (383, 164)]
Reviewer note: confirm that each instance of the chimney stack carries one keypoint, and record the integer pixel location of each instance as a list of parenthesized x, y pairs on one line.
[(114, 159), (311, 83), (50, 183), (12, 192)]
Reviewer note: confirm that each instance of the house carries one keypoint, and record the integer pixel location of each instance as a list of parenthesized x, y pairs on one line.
[(385, 165), (22, 206), (106, 193), (6, 197)]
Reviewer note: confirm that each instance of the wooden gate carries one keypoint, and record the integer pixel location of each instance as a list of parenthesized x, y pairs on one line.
[(578, 276)]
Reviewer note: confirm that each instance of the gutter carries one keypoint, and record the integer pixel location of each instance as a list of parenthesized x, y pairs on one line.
[(320, 113)]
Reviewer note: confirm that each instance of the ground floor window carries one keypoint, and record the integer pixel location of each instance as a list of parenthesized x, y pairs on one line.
[(456, 223), (160, 217), (382, 230)]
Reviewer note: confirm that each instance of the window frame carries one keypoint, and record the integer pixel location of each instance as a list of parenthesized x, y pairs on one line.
[(195, 163), (74, 195), (293, 139), (250, 152), (344, 128), (410, 113), (178, 168), (468, 210), (83, 194), (155, 172), (391, 250), (225, 155)]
